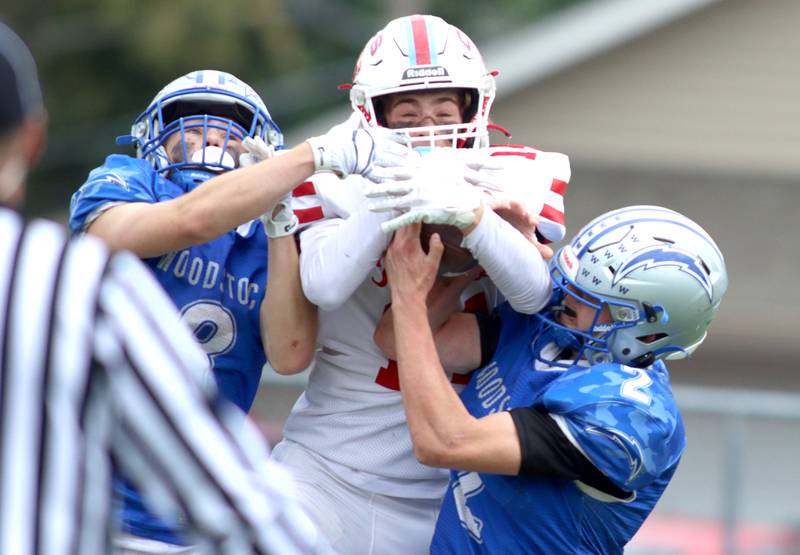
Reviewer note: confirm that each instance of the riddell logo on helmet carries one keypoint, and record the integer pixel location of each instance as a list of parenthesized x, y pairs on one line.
[(567, 260), (569, 264), (423, 72)]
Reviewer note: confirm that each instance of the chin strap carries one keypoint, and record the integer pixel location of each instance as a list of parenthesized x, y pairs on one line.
[(672, 352), (643, 361)]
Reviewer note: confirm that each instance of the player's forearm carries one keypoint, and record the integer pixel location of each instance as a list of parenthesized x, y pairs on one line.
[(443, 302), (384, 335), (435, 414), (288, 319), (513, 264), (207, 212), (236, 197), (338, 256)]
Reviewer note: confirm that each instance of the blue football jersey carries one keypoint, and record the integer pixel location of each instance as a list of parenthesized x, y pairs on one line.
[(217, 286), (623, 419)]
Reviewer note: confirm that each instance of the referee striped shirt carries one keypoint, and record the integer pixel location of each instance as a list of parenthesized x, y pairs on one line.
[(97, 370)]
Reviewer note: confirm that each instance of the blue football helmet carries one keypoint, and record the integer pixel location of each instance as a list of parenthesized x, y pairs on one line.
[(198, 102), (660, 274)]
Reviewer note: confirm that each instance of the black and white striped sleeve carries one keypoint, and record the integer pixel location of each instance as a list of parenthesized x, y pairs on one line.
[(171, 439)]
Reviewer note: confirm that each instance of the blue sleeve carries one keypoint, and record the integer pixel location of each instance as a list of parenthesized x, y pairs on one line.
[(120, 179), (623, 419), (512, 321)]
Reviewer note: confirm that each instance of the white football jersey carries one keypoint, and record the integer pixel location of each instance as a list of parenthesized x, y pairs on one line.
[(351, 412)]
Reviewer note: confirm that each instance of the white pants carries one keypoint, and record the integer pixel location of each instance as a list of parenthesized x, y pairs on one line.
[(356, 521), (126, 544)]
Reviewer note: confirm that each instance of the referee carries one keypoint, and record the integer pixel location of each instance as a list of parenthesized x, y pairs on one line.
[(96, 369)]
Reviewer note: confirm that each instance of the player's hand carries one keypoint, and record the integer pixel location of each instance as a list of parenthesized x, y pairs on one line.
[(368, 152), (426, 199), (404, 181), (410, 270), (281, 220), (256, 150)]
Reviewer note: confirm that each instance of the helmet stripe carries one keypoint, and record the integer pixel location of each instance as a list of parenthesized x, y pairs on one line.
[(419, 51), (581, 247), (432, 44)]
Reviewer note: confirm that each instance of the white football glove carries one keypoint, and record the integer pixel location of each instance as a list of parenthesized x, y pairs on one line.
[(427, 199), (476, 166), (281, 220), (345, 151), (256, 150)]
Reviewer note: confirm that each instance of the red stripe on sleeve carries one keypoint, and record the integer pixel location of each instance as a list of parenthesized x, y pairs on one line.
[(510, 145), (421, 45), (459, 379), (528, 155), (307, 215), (305, 189), (551, 214), (559, 186)]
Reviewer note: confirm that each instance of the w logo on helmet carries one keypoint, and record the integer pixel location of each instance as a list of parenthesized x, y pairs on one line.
[(664, 255)]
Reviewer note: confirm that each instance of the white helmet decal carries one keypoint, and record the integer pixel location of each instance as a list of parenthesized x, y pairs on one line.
[(657, 256)]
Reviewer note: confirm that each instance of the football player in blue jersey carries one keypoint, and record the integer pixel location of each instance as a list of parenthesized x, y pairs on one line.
[(567, 436), (199, 202)]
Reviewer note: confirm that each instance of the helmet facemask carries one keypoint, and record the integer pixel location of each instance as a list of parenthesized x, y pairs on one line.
[(592, 340), (216, 159), (466, 133)]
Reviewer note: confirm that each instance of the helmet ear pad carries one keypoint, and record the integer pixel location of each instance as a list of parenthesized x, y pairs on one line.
[(379, 104), (469, 104)]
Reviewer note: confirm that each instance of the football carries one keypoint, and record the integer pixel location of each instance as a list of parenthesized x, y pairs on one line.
[(455, 259)]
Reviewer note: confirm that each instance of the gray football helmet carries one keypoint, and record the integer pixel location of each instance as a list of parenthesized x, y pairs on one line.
[(660, 274)]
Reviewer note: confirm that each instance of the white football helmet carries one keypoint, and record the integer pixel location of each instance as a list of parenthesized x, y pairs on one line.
[(201, 99), (660, 274), (419, 53)]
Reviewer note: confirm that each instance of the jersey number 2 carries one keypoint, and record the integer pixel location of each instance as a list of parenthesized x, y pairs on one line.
[(633, 388)]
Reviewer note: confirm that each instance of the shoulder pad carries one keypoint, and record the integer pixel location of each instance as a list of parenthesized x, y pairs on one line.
[(539, 179), (120, 179), (623, 419)]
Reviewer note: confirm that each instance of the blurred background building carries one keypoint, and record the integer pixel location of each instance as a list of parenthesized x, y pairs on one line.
[(690, 104)]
